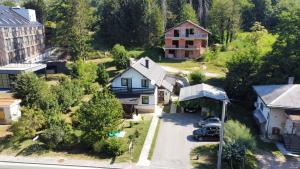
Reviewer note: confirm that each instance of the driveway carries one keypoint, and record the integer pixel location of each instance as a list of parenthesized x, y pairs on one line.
[(174, 142)]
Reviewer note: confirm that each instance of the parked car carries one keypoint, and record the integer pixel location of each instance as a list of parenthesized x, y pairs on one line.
[(209, 120), (190, 110), (208, 132)]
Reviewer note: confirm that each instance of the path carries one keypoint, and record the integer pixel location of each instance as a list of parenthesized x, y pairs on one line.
[(143, 160), (175, 70)]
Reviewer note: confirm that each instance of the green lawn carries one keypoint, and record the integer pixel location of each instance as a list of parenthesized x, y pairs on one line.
[(35, 148), (154, 141), (207, 157), (142, 127)]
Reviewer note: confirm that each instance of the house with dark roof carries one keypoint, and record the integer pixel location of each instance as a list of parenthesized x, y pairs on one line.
[(186, 40), (142, 86), (277, 113)]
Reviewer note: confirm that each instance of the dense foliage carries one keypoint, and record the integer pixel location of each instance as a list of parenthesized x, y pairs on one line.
[(97, 120), (120, 56), (196, 77), (103, 76)]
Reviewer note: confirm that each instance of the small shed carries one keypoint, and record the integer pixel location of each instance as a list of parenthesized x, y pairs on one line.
[(9, 110), (205, 91)]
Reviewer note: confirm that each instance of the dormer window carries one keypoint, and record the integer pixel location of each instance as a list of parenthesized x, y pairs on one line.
[(144, 83)]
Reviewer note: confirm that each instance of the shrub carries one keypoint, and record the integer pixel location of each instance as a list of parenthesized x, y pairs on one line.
[(234, 155), (111, 147), (103, 77), (121, 59), (53, 136), (239, 133), (31, 121), (196, 77)]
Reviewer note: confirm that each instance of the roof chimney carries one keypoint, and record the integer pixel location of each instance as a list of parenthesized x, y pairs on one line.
[(291, 80), (146, 63)]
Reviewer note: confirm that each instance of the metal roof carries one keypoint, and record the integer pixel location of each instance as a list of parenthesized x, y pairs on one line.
[(202, 90), (154, 72), (9, 18), (280, 96)]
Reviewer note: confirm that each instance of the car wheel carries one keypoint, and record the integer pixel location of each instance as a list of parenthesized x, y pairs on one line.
[(200, 138)]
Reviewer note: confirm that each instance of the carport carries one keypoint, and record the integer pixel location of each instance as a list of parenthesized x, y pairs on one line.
[(211, 92), (202, 91)]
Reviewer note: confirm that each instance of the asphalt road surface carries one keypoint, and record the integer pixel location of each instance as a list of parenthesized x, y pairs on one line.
[(175, 141)]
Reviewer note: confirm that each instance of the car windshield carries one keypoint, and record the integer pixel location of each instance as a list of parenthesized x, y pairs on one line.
[(213, 120)]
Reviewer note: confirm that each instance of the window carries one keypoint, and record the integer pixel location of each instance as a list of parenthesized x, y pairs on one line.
[(176, 33), (189, 43), (124, 82), (175, 43), (145, 83), (189, 32), (204, 44), (145, 99)]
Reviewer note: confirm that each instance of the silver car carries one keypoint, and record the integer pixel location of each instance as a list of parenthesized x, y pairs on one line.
[(211, 120)]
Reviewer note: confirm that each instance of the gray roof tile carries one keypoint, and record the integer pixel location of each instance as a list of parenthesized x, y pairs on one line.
[(280, 96)]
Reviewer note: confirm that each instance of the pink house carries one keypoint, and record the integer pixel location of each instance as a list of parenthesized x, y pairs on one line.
[(186, 40)]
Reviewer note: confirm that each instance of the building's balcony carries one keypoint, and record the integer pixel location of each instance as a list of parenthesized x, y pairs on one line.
[(185, 47), (125, 90), (188, 37)]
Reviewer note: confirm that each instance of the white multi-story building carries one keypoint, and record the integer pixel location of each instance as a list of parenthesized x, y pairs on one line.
[(21, 43), (142, 86)]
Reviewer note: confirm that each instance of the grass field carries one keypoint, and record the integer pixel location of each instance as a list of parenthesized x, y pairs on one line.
[(154, 141)]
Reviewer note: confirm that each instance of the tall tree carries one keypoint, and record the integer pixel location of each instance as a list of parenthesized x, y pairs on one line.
[(187, 12), (284, 60), (72, 19), (40, 8), (96, 118)]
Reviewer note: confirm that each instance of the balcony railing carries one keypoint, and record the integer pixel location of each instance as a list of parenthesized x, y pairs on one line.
[(126, 90), (199, 35)]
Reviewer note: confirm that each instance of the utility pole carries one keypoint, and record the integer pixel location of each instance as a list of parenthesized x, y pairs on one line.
[(221, 135)]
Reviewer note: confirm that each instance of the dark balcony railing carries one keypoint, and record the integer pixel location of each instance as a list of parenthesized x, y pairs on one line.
[(125, 90)]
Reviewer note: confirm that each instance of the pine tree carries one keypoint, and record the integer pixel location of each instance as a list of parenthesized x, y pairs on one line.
[(187, 12)]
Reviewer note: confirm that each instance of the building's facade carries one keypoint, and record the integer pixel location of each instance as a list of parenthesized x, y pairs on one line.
[(142, 86), (21, 43), (277, 113), (21, 36), (9, 110), (186, 40)]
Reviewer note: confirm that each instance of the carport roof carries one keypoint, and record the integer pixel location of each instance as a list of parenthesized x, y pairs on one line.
[(202, 90)]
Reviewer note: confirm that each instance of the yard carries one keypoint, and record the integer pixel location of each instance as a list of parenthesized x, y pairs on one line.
[(35, 148)]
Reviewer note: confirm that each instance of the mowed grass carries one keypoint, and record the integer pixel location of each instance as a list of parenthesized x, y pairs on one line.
[(207, 157), (142, 127), (28, 147), (154, 141)]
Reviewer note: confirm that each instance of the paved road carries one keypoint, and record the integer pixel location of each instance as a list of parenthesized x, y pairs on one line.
[(8, 165), (174, 142)]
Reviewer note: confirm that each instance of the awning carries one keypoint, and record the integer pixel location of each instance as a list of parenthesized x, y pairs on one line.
[(293, 115), (131, 101), (259, 117), (202, 90)]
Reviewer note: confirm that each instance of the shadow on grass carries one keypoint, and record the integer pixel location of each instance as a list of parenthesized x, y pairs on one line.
[(204, 157), (37, 149), (219, 82), (8, 142)]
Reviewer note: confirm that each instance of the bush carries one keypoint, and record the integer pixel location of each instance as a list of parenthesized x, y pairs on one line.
[(53, 136), (234, 155), (31, 121), (103, 77), (196, 78), (111, 147), (239, 133), (121, 59), (68, 93)]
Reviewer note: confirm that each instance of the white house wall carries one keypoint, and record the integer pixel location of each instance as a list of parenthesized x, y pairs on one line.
[(278, 120), (12, 113), (134, 75), (152, 102)]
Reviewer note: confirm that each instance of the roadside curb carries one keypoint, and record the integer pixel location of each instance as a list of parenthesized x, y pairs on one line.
[(50, 164)]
